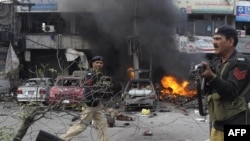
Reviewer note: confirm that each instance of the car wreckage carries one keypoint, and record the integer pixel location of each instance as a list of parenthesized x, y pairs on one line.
[(139, 93)]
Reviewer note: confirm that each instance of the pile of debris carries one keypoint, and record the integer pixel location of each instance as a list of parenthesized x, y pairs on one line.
[(113, 115), (176, 98)]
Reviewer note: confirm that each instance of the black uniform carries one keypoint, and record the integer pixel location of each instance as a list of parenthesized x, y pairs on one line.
[(235, 77), (91, 89)]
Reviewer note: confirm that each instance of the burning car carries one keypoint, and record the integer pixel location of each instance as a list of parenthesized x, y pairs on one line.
[(68, 90), (139, 93)]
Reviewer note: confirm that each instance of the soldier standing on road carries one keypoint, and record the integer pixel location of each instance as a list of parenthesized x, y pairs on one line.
[(92, 109), (227, 104)]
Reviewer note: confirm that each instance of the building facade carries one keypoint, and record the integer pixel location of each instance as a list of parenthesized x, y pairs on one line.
[(44, 30), (202, 17)]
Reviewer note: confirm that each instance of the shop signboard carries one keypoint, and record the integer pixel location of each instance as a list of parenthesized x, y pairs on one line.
[(242, 11), (206, 6), (196, 44), (204, 44), (243, 45), (35, 6)]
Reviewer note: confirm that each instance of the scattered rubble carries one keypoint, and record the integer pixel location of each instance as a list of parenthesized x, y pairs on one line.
[(113, 115), (147, 133), (176, 98)]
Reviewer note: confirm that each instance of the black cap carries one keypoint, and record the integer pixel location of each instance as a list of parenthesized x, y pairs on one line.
[(227, 31), (97, 58)]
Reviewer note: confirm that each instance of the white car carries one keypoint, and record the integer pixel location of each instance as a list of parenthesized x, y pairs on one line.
[(35, 90), (139, 93)]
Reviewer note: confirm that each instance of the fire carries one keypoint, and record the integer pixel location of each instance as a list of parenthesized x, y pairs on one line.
[(171, 86), (131, 73)]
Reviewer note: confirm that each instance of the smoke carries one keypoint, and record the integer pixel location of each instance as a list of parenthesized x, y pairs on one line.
[(107, 24)]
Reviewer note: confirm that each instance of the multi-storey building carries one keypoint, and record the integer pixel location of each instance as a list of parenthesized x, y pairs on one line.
[(41, 30), (47, 28), (202, 17), (6, 31)]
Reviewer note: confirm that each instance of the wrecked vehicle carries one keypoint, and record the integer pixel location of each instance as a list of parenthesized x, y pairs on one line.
[(139, 93), (35, 90), (68, 90)]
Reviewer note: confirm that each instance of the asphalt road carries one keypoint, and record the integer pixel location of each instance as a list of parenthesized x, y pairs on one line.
[(167, 123)]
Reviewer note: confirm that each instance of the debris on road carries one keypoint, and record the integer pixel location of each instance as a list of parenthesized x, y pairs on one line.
[(152, 115), (148, 133), (145, 111), (118, 115)]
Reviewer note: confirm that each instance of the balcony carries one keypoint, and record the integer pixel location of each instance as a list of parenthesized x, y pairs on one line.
[(55, 41)]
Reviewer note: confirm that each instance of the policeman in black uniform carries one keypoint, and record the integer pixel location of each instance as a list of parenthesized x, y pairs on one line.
[(227, 77), (92, 91), (92, 109)]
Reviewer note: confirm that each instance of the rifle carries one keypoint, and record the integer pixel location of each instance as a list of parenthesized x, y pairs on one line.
[(200, 83)]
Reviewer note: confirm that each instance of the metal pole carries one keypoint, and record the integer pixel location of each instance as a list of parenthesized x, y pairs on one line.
[(135, 44)]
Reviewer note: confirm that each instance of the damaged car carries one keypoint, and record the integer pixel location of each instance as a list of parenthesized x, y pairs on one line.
[(35, 90), (68, 90), (139, 93)]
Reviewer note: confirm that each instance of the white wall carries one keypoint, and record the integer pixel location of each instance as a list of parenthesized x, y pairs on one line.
[(52, 42)]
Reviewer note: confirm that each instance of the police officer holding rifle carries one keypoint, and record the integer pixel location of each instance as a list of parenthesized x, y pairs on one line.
[(228, 79)]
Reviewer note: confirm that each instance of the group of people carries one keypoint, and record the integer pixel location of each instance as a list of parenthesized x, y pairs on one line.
[(227, 78)]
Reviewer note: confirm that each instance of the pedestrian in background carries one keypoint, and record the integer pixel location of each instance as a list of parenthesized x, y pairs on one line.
[(227, 77), (92, 109)]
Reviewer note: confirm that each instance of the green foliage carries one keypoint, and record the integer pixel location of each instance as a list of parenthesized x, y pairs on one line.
[(6, 133)]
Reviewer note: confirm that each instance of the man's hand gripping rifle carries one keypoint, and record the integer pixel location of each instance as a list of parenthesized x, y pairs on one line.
[(200, 82)]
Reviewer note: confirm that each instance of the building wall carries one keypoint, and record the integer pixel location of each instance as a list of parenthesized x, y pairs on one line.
[(55, 41), (195, 34)]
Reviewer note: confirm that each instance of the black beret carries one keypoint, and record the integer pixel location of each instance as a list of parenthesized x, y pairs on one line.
[(226, 30), (97, 58)]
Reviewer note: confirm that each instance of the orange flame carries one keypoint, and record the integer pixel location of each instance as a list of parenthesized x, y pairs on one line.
[(171, 86), (131, 73)]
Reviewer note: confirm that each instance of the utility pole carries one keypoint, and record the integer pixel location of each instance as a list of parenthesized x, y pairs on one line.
[(136, 48), (133, 42)]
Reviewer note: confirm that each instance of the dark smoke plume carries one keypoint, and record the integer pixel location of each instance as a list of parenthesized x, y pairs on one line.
[(106, 24)]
